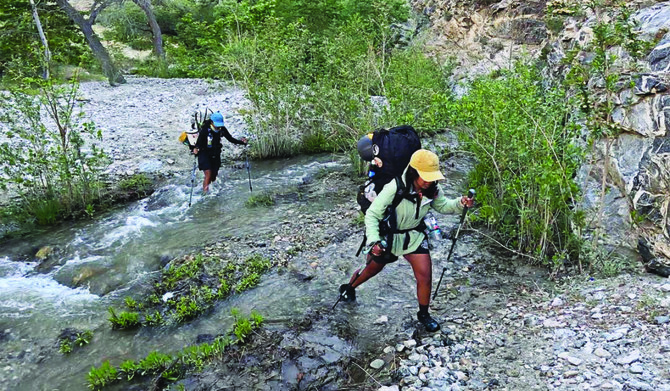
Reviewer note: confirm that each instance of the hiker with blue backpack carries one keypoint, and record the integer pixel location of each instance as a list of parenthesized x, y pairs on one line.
[(208, 147), (394, 219)]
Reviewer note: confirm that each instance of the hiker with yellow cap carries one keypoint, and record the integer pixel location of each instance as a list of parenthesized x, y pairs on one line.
[(420, 192)]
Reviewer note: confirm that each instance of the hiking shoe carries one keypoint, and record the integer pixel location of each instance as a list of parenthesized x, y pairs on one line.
[(348, 293), (428, 322)]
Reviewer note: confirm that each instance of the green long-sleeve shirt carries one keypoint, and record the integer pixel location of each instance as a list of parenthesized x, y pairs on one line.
[(405, 212)]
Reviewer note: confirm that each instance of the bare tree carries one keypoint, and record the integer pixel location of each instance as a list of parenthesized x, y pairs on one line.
[(43, 38), (145, 5), (86, 25)]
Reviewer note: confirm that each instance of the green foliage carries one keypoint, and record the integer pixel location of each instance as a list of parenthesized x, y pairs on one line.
[(173, 368), (124, 320), (127, 23), (131, 303), (68, 344), (596, 81), (188, 269), (248, 281), (256, 200), (53, 170), (65, 346), (257, 264), (528, 154), (153, 319), (154, 363), (101, 377), (187, 308), (21, 50), (128, 368), (137, 183)]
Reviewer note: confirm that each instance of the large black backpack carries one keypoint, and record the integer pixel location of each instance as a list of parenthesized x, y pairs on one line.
[(394, 147)]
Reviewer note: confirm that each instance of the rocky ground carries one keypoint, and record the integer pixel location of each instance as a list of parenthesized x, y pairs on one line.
[(609, 334), (142, 119)]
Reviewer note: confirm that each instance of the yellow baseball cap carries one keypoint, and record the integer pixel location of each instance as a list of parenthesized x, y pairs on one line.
[(427, 164)]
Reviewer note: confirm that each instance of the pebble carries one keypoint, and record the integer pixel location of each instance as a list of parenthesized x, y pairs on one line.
[(410, 344), (636, 368), (376, 364), (381, 320), (629, 358)]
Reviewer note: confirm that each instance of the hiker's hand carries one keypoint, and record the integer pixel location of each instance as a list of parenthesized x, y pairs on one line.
[(467, 202), (195, 151), (244, 140), (377, 249)]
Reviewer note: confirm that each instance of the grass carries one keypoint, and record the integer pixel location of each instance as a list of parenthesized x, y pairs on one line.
[(195, 285), (174, 367), (257, 200)]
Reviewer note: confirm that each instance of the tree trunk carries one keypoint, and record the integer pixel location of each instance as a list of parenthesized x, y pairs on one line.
[(43, 38), (145, 5), (109, 69)]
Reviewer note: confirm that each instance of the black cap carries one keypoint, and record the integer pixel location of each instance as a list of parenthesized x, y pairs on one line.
[(365, 148)]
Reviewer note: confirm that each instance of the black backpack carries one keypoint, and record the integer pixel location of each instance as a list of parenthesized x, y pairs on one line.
[(394, 147)]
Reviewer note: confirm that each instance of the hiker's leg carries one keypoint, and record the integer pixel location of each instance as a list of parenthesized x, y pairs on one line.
[(215, 173), (422, 267), (370, 270), (207, 181), (423, 272)]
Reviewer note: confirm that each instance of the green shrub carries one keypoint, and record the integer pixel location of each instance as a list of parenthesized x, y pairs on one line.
[(527, 153), (53, 170)]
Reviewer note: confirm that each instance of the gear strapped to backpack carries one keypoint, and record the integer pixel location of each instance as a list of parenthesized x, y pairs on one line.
[(389, 152), (190, 137)]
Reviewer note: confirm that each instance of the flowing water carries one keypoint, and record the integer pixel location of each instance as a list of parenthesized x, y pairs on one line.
[(100, 262)]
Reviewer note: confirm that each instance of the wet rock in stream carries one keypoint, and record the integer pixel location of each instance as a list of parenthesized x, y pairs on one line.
[(305, 356)]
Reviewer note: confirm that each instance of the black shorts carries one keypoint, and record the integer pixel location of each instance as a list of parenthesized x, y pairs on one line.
[(209, 161), (388, 257)]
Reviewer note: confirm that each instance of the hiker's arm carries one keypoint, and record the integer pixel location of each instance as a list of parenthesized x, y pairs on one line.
[(376, 212), (444, 205), (230, 138)]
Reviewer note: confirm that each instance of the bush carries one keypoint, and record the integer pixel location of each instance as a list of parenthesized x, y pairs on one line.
[(54, 170), (528, 154)]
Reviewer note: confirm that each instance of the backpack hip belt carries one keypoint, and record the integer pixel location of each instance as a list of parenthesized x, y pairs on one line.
[(420, 228)]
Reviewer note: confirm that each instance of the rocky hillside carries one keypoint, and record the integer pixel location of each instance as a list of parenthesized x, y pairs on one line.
[(483, 35)]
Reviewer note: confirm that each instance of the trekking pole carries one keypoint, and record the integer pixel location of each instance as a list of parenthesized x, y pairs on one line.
[(193, 173), (353, 279), (246, 154), (471, 195)]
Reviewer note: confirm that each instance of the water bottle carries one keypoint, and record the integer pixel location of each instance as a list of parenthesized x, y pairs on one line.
[(433, 228)]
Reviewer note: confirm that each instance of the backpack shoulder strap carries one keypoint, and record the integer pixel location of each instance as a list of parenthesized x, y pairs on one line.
[(399, 193)]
